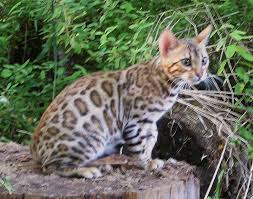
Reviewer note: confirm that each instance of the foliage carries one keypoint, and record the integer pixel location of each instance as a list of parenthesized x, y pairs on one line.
[(217, 191), (89, 36)]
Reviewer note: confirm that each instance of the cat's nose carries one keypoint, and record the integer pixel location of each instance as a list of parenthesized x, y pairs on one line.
[(198, 76)]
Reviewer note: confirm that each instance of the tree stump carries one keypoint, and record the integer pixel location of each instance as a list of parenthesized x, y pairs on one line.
[(175, 181)]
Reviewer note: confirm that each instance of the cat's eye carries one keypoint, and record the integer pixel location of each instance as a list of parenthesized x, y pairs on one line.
[(186, 62), (204, 61)]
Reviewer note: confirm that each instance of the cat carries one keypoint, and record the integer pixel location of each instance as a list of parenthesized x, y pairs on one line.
[(98, 113)]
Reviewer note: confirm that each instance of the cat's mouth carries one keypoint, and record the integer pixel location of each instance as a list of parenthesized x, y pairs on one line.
[(198, 79), (194, 80)]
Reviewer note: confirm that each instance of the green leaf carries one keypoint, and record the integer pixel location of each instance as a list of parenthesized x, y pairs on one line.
[(25, 63), (60, 71), (42, 75), (245, 53), (231, 49), (75, 45), (14, 7), (239, 88), (250, 109), (6, 73), (237, 35), (81, 68), (110, 29), (127, 7), (248, 135), (240, 35), (220, 43), (242, 74), (103, 40), (221, 68)]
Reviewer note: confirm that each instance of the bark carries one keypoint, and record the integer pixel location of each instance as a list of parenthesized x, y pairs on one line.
[(175, 181)]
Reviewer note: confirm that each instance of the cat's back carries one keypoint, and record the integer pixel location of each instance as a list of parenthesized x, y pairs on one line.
[(81, 105)]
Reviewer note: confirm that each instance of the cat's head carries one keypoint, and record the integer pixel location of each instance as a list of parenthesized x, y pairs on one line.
[(185, 59)]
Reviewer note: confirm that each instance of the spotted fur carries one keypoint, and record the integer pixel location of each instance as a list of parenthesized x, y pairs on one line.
[(98, 113)]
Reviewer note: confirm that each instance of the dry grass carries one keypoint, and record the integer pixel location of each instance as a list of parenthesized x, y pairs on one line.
[(215, 106)]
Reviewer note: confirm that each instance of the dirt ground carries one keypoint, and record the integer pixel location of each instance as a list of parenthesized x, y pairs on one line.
[(27, 180)]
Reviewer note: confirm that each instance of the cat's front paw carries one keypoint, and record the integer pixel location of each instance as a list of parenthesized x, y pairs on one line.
[(155, 164)]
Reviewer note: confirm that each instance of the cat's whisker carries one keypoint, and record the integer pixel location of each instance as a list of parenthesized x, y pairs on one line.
[(206, 82), (177, 82), (181, 84), (210, 81), (214, 77)]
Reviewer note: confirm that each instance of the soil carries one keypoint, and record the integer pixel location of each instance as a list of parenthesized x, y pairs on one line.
[(27, 179)]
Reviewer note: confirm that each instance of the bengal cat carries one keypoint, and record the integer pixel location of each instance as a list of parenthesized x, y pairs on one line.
[(98, 113)]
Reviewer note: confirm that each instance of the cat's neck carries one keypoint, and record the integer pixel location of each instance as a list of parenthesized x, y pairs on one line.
[(157, 71), (149, 80)]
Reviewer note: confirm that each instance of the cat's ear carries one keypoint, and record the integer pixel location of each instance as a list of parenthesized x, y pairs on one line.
[(167, 42), (202, 38)]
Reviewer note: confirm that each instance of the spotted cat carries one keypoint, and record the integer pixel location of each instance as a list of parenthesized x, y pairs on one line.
[(98, 113)]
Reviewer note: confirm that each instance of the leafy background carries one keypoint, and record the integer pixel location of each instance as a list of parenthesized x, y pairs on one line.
[(45, 45)]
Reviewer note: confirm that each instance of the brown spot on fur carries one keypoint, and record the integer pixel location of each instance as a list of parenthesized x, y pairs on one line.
[(87, 127), (97, 123), (42, 152), (64, 106), (155, 89), (80, 83), (113, 107), (115, 130), (78, 134), (130, 76), (55, 119), (77, 150), (62, 147), (91, 84), (115, 75), (53, 108), (107, 88), (97, 139), (71, 92), (66, 137), (140, 78), (143, 106), (53, 131), (137, 101), (95, 98), (69, 119), (145, 91), (46, 116), (83, 92), (81, 106), (60, 99), (41, 125), (82, 145), (119, 124), (49, 145), (108, 121), (40, 133), (46, 137)]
